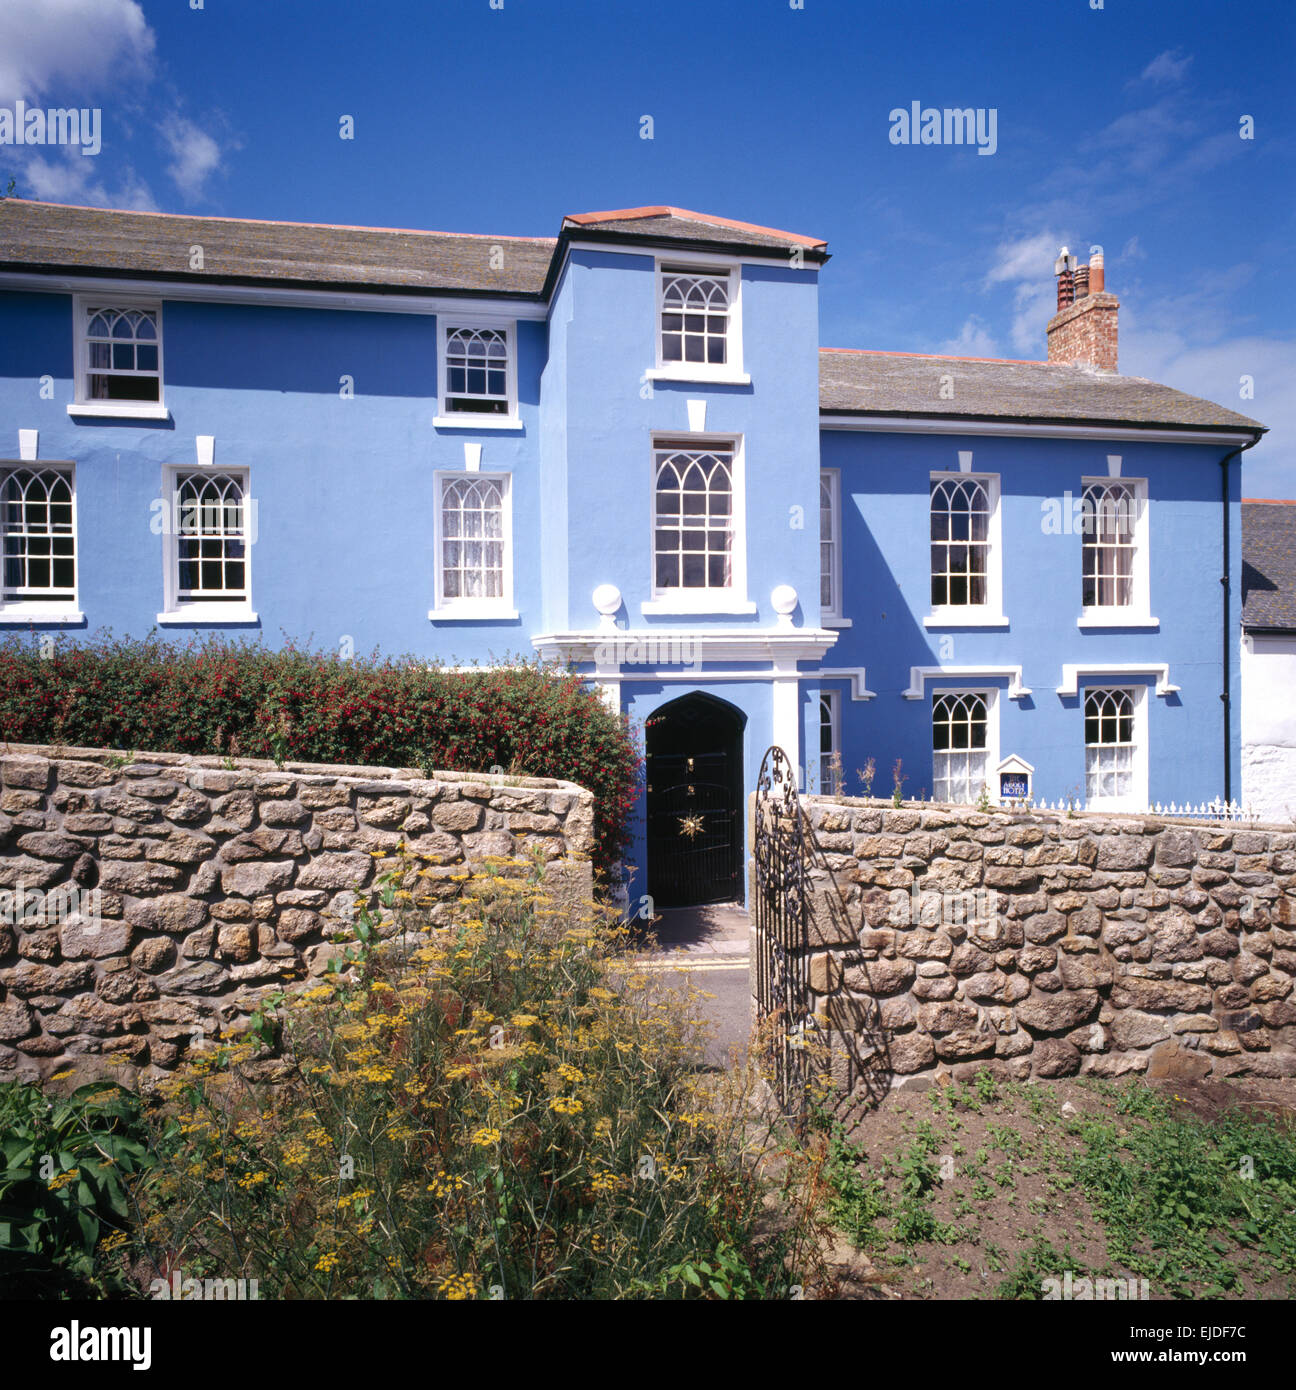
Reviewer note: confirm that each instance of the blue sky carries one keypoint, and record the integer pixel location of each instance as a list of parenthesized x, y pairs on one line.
[(1118, 125)]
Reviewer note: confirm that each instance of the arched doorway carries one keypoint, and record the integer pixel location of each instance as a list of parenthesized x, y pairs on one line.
[(694, 748)]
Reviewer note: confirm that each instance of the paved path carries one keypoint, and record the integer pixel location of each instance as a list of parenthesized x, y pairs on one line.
[(710, 949)]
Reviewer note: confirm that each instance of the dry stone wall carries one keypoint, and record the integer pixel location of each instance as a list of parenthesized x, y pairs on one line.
[(1049, 946), (145, 903)]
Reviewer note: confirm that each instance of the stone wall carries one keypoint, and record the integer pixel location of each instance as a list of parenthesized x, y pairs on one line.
[(1049, 945), (145, 902)]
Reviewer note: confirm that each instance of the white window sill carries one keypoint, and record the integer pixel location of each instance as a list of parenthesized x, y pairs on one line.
[(1115, 617), (120, 410), (684, 371), (195, 614), (682, 606), (33, 613), (964, 617), (466, 614), (477, 422), (836, 622)]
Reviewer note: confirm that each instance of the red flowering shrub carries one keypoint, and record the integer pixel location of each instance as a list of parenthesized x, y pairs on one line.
[(243, 699)]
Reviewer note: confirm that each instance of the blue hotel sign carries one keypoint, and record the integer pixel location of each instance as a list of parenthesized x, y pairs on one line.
[(1013, 786)]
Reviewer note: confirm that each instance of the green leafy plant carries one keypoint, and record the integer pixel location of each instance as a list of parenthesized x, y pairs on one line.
[(64, 1187), (1025, 1281), (897, 798), (1181, 1199), (987, 1085), (855, 1203)]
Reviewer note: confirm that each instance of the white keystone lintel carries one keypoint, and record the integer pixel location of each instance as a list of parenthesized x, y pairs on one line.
[(782, 648), (859, 691), (27, 445), (1072, 671), (205, 449), (919, 675)]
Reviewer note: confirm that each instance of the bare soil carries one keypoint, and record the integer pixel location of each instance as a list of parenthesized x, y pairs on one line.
[(1007, 1186)]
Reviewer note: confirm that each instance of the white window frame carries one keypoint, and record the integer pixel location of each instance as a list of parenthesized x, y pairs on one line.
[(832, 699), (471, 609), (990, 613), (1137, 613), (42, 611), (82, 403), (733, 598), (473, 419), (728, 373), (832, 616), (990, 694), (1138, 798), (195, 613)]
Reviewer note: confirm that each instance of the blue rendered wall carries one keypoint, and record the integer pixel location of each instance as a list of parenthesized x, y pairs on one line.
[(343, 488), (611, 416), (885, 499)]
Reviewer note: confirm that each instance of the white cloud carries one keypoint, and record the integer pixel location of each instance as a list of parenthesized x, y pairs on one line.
[(1169, 66), (1034, 303), (974, 340), (1214, 371), (68, 178), (1024, 258), (65, 50), (195, 155), (1026, 262)]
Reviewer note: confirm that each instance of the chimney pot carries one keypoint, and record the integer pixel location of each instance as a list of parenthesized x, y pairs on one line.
[(1083, 331), (1064, 268)]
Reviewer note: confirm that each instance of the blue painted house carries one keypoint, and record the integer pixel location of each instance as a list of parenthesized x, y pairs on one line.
[(624, 449)]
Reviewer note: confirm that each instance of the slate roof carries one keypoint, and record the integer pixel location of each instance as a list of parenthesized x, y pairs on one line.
[(900, 383), (1269, 566), (679, 224), (56, 239), (52, 238)]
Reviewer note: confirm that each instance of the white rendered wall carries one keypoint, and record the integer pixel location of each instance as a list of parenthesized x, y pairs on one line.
[(1269, 727)]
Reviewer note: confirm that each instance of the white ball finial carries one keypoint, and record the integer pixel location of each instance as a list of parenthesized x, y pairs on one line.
[(783, 599), (607, 600)]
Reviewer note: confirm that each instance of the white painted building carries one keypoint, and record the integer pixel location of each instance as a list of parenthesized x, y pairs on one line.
[(1268, 666)]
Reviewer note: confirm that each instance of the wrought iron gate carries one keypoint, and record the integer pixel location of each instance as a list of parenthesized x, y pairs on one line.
[(782, 936)]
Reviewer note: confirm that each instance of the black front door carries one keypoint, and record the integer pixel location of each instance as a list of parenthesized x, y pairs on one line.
[(694, 754)]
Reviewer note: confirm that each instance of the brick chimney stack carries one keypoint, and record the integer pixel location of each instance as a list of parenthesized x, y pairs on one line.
[(1083, 331)]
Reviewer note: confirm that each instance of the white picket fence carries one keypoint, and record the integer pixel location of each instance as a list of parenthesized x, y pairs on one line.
[(1216, 810)]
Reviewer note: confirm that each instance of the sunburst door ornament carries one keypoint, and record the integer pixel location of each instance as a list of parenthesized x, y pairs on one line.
[(690, 826)]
